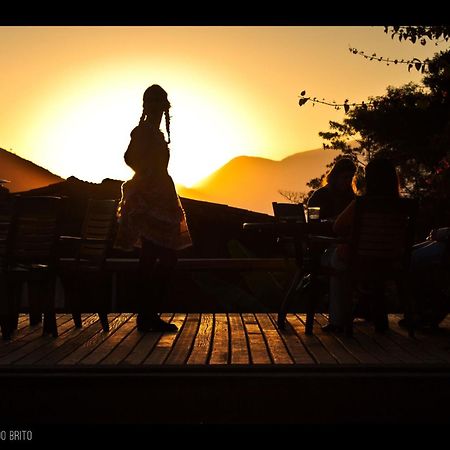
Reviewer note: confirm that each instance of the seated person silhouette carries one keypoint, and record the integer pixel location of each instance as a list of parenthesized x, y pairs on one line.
[(430, 281), (381, 179), (337, 191)]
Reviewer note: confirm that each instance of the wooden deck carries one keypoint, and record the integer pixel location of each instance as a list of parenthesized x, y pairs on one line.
[(224, 368), (220, 339)]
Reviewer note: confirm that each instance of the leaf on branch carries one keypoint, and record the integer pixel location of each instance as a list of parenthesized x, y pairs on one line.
[(418, 66), (303, 93), (302, 101), (346, 107), (423, 41)]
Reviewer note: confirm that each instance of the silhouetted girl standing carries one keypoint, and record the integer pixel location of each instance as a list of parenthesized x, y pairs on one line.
[(150, 213)]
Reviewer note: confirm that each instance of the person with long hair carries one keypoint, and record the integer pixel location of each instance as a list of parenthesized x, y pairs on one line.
[(381, 180), (336, 191), (150, 213)]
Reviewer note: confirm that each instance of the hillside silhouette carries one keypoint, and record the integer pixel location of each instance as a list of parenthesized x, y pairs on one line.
[(213, 226), (23, 174), (252, 183)]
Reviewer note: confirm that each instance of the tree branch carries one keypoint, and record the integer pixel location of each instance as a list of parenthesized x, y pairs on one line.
[(346, 105), (420, 66)]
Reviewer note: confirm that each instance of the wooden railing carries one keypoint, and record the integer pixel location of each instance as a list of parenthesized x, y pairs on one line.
[(128, 265)]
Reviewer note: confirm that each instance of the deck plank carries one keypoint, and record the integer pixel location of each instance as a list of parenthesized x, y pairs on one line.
[(71, 341), (259, 353), (203, 341), (351, 344), (113, 341), (32, 342), (437, 344), (23, 335), (121, 352), (295, 345), (276, 345), (143, 344), (412, 346), (23, 321), (65, 331), (183, 346), (333, 345), (367, 342), (390, 346), (220, 351), (95, 337), (239, 346), (346, 349), (313, 345), (164, 345)]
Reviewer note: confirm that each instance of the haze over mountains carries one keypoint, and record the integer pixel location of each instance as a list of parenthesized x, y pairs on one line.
[(253, 183), (244, 182)]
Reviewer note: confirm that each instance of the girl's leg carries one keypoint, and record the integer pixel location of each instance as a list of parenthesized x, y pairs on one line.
[(156, 268)]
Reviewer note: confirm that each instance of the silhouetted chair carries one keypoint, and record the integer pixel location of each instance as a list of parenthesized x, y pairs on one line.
[(6, 219), (87, 286), (31, 257), (380, 248), (288, 213)]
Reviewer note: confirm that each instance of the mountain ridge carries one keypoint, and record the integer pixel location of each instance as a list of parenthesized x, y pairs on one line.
[(247, 182), (253, 182)]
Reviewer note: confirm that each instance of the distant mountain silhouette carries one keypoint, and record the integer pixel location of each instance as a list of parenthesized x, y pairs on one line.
[(252, 183), (23, 174)]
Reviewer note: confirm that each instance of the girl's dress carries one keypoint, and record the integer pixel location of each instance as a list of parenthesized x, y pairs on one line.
[(150, 208)]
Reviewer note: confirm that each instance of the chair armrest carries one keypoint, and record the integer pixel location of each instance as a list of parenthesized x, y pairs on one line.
[(70, 238), (82, 240), (330, 240)]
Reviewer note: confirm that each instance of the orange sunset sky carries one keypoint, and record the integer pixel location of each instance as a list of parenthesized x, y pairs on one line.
[(71, 94)]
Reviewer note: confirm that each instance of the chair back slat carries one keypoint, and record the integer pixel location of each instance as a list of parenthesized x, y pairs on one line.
[(289, 212), (35, 230), (383, 233), (98, 224), (6, 219)]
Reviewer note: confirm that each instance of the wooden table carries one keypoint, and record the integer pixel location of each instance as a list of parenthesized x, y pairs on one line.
[(307, 256)]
